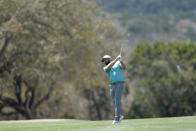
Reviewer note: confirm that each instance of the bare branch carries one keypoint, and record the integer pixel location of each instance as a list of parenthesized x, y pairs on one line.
[(17, 89), (5, 44), (1, 106), (43, 24), (29, 95), (46, 96), (8, 101), (8, 63), (13, 104), (31, 102), (8, 114)]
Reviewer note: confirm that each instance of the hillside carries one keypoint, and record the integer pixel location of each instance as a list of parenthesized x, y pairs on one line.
[(155, 19), (158, 124)]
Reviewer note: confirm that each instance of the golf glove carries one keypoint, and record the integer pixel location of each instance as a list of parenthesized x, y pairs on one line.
[(120, 59)]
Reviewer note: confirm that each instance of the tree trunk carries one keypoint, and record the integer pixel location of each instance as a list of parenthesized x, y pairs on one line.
[(30, 114)]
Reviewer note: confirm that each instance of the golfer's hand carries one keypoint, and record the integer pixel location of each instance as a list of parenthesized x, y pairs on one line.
[(121, 59), (118, 57)]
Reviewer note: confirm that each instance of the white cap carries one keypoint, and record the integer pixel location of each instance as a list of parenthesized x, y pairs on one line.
[(105, 57)]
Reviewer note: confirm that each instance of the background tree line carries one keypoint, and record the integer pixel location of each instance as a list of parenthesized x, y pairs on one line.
[(50, 65), (151, 20)]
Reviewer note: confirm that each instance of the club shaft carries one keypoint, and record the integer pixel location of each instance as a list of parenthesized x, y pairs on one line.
[(121, 49)]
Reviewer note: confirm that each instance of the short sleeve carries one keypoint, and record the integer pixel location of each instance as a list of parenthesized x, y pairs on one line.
[(118, 63), (104, 68)]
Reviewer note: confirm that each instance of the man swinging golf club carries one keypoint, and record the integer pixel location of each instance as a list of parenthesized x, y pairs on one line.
[(113, 68)]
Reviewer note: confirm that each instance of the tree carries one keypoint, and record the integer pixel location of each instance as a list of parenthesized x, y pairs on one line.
[(46, 46), (164, 77)]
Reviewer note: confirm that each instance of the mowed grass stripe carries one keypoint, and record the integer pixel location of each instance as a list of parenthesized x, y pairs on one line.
[(155, 124)]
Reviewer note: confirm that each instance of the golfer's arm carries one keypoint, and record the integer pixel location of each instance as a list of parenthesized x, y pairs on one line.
[(109, 66), (123, 65)]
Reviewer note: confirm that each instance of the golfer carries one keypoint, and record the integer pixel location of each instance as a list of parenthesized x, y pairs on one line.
[(113, 68)]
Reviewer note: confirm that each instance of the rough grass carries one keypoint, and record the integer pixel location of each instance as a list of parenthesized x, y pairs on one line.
[(156, 124)]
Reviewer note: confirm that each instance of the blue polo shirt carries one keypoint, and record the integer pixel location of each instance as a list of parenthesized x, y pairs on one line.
[(115, 74)]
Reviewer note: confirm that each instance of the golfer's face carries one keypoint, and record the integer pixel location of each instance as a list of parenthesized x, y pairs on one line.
[(107, 61)]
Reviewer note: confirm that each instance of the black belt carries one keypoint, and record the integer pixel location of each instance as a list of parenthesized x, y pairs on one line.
[(114, 83)]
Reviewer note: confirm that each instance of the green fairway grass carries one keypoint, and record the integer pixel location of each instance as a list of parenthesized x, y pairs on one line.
[(156, 124)]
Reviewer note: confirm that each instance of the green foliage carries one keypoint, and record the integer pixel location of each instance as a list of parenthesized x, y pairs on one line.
[(48, 59), (149, 20), (165, 79)]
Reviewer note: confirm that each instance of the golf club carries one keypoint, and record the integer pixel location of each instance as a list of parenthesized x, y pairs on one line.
[(121, 49)]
